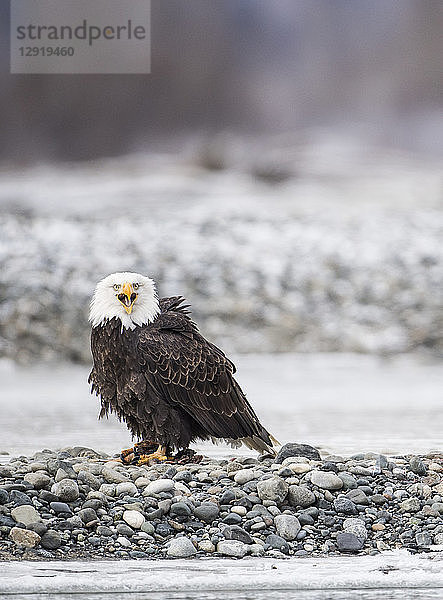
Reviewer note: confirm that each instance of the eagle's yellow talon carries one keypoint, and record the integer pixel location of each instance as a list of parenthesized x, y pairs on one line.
[(159, 454)]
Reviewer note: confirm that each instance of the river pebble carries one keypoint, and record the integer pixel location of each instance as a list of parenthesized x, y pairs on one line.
[(232, 508)]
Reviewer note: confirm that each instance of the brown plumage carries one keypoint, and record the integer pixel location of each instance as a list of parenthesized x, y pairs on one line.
[(169, 384)]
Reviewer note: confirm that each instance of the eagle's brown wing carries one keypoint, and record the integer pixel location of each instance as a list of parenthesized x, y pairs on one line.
[(182, 366)]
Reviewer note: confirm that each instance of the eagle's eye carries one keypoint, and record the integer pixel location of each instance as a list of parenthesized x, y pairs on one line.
[(135, 286), (116, 286)]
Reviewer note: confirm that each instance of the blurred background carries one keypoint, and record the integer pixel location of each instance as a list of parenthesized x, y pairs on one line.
[(281, 167)]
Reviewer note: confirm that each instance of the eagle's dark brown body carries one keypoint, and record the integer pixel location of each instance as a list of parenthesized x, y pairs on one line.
[(169, 384)]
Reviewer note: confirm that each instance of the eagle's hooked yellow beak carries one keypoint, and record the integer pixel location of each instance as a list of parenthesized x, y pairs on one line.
[(127, 297)]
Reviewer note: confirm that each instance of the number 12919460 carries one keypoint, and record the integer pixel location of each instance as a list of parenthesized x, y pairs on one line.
[(46, 51)]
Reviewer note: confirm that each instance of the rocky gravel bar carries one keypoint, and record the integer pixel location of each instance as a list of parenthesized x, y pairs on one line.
[(78, 503)]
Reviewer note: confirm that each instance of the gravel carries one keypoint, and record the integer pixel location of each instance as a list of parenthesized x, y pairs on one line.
[(194, 510)]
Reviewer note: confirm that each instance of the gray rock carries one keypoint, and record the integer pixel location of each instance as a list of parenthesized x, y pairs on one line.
[(180, 509), (410, 505), (438, 507), (89, 479), (60, 507), (232, 519), (357, 496), (126, 488), (51, 540), (417, 466), (207, 512), (349, 481), (66, 490), (227, 496), (133, 518), (438, 539), (113, 476), (356, 527), (38, 480), (104, 531), (181, 547), (345, 506), (147, 528), (87, 515), (277, 543), (38, 527), (232, 548), (25, 514), (244, 476), (326, 480), (287, 526), (4, 496), (300, 495), (293, 449), (381, 463), (158, 486), (124, 529), (274, 489), (19, 498), (24, 537), (235, 532), (348, 542), (423, 539)]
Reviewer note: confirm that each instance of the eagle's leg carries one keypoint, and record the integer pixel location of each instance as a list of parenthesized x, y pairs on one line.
[(130, 455), (160, 454)]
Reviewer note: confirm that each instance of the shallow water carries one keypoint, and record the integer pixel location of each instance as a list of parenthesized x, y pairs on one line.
[(340, 403)]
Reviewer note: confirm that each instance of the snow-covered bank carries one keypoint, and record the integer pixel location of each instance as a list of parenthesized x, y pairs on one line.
[(346, 255), (387, 571)]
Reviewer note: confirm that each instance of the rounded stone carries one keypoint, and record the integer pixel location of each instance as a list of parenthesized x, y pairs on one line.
[(113, 476), (51, 540), (287, 526), (24, 537), (356, 527), (123, 542), (274, 489), (410, 505), (239, 510), (293, 449), (206, 546), (326, 480), (357, 496), (60, 507), (159, 486), (344, 506), (4, 497), (126, 488), (300, 495), (235, 532), (181, 547), (244, 476), (133, 518), (277, 543), (38, 480), (232, 548), (417, 466), (207, 512), (25, 514), (180, 509), (66, 490), (348, 542), (87, 515)]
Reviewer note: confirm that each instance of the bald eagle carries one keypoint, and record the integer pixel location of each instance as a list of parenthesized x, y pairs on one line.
[(156, 372)]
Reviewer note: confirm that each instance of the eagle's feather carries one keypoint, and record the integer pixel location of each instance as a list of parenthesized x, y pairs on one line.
[(169, 384)]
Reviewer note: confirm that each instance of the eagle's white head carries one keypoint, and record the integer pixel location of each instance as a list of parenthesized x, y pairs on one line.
[(130, 297)]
